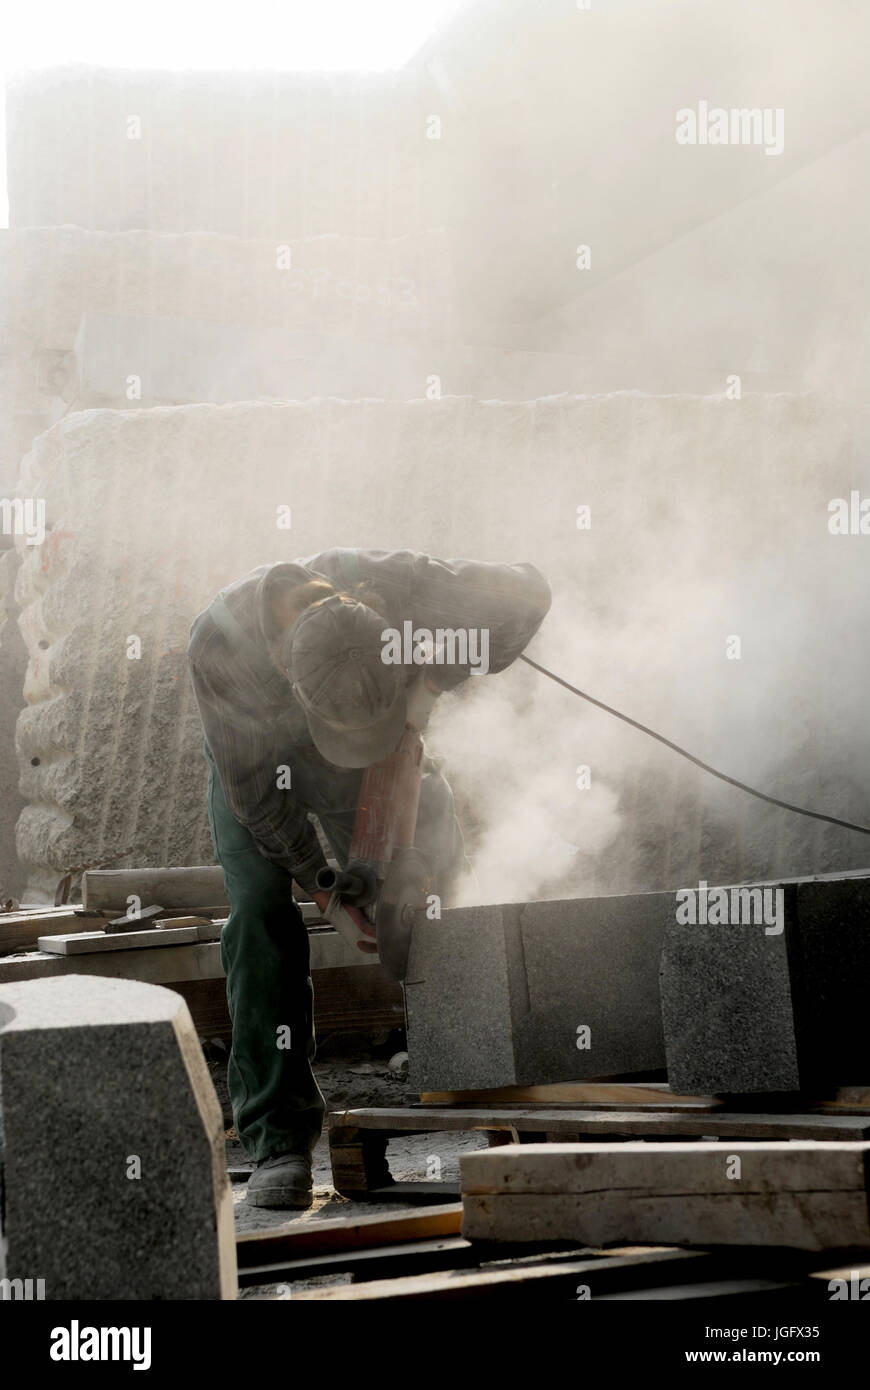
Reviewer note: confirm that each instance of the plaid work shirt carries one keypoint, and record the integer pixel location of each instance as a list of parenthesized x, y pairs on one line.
[(252, 721)]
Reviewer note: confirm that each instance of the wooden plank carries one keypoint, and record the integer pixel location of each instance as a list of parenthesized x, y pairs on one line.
[(298, 1239), (547, 1279), (408, 1258), (199, 887), (388, 1261), (196, 886), (327, 948), (849, 1098), (86, 943), (849, 1280), (803, 1220), (735, 1289), (359, 1161), (811, 1196), (631, 1123), (19, 930), (207, 1001), (197, 961), (91, 942), (422, 1191), (682, 1169), (385, 1261), (354, 999), (646, 1095), (593, 1093), (168, 934)]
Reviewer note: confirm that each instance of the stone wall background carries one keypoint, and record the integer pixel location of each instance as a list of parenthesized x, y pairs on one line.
[(110, 748)]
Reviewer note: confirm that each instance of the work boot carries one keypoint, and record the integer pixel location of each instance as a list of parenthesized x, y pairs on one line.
[(282, 1180)]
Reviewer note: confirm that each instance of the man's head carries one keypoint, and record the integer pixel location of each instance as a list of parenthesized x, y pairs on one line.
[(331, 651)]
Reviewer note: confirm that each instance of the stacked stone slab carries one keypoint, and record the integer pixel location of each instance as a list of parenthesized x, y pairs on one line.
[(242, 154), (112, 1161), (747, 1009), (527, 994), (199, 317)]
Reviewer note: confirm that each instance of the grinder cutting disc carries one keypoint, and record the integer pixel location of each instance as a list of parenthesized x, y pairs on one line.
[(406, 885)]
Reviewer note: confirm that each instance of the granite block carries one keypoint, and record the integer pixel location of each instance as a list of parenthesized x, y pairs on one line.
[(465, 984), (496, 995), (112, 1159), (592, 963), (746, 1009)]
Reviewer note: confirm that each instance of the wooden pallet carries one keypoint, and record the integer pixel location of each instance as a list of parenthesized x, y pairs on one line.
[(358, 1138)]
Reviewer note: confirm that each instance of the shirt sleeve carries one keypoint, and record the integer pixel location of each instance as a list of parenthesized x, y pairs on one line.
[(246, 757), (506, 602)]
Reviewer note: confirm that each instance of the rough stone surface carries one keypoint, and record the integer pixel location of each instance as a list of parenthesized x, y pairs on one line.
[(592, 962), (13, 661), (94, 1074), (830, 968), (495, 995), (727, 1007), (200, 317), (744, 1011), (238, 153), (139, 549), (461, 998), (197, 360)]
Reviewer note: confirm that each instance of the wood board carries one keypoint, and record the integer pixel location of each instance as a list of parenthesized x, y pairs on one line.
[(632, 1123), (88, 943), (547, 1279), (196, 886), (805, 1195), (327, 1237)]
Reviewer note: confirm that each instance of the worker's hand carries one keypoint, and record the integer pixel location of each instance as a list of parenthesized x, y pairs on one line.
[(420, 702), (358, 918), (322, 900)]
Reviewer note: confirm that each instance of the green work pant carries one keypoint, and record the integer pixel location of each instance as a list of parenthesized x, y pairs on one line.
[(277, 1104)]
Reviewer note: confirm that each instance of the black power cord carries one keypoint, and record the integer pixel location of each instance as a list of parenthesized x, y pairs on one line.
[(705, 767)]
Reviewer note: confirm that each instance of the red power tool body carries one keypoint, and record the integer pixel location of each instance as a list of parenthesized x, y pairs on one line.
[(372, 902)]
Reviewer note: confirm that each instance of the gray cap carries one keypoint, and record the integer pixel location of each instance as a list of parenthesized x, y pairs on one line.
[(354, 702)]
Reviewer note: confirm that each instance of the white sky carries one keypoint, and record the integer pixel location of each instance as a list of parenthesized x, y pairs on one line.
[(373, 34), (285, 34)]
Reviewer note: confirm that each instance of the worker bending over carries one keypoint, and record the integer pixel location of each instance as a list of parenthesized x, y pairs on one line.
[(305, 673)]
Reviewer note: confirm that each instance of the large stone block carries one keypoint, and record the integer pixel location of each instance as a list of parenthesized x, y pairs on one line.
[(312, 152), (198, 360), (747, 1008), (464, 992), (830, 973), (112, 1162), (526, 994), (200, 317), (591, 964)]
